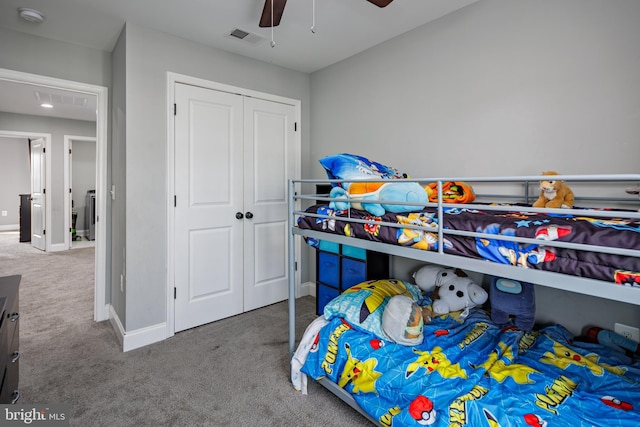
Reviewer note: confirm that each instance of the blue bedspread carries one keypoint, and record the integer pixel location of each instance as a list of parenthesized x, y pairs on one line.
[(473, 373)]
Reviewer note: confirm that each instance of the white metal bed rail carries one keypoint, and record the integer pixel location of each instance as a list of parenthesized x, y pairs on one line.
[(571, 283)]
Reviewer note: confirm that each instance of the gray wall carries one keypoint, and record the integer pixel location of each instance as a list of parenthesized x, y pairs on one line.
[(64, 61), (149, 56), (118, 177), (496, 88), (524, 86), (58, 128), (15, 179), (46, 57)]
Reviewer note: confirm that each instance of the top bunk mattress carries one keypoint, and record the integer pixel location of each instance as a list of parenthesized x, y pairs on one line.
[(511, 235)]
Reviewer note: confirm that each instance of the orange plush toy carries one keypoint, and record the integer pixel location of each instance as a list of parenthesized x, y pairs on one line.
[(554, 193), (452, 192)]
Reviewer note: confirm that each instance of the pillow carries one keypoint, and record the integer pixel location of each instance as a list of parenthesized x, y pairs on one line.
[(402, 321), (363, 304), (351, 166)]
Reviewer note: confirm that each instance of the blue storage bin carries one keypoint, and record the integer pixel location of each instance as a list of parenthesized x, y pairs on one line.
[(329, 269), (329, 246), (353, 252), (353, 272), (324, 295)]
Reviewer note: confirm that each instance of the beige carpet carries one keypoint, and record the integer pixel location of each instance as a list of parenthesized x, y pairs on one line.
[(234, 372)]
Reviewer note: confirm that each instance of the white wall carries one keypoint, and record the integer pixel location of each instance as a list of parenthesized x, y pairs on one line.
[(499, 87)]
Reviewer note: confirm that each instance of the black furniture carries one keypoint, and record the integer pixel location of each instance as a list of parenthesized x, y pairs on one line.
[(25, 217), (90, 215), (9, 340), (338, 267)]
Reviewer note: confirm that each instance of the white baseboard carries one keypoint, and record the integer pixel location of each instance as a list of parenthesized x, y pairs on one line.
[(307, 288), (116, 324), (138, 338), (101, 315), (57, 247), (10, 227), (156, 333)]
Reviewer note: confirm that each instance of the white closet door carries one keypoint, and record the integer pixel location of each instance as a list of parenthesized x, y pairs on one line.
[(208, 186), (269, 161), (38, 179)]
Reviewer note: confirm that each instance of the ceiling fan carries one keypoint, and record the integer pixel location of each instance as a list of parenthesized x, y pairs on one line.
[(278, 9)]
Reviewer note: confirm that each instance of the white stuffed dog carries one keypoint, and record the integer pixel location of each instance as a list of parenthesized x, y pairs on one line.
[(451, 289)]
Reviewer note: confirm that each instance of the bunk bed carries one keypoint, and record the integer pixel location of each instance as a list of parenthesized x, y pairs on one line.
[(485, 370)]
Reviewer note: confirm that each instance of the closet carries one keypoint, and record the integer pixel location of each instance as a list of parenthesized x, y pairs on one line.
[(233, 155)]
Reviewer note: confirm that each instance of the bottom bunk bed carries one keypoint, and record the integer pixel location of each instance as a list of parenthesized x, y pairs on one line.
[(468, 369), (472, 372)]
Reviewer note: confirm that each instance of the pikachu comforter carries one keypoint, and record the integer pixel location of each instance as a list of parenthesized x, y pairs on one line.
[(473, 373)]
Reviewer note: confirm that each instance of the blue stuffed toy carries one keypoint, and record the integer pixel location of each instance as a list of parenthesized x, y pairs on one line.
[(513, 298), (379, 198)]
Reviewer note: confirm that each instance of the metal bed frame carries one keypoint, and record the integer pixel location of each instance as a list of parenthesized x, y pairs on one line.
[(561, 281)]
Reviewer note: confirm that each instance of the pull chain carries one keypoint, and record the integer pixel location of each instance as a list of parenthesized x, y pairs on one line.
[(313, 16), (273, 43)]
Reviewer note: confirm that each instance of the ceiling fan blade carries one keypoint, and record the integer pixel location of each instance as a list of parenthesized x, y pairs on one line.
[(380, 3), (278, 9)]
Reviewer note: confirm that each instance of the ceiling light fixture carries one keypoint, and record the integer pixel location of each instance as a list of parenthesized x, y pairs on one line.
[(30, 15), (46, 105)]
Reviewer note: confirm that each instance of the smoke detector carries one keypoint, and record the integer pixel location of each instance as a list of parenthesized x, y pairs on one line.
[(30, 15)]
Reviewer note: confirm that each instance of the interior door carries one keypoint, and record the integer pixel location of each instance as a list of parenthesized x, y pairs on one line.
[(208, 186), (38, 194), (69, 197), (269, 161)]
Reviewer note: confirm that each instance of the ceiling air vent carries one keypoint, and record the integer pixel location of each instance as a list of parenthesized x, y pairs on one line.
[(245, 36)]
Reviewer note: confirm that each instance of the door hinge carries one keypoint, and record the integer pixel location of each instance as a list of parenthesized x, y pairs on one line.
[(175, 109), (44, 191), (295, 266), (44, 150), (175, 201), (175, 293), (69, 150), (295, 126), (69, 190), (44, 232)]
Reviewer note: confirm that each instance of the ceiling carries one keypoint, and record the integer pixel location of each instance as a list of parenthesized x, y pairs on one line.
[(342, 27)]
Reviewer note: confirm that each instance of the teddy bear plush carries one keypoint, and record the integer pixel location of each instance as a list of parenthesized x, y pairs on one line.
[(554, 193), (451, 289), (512, 298)]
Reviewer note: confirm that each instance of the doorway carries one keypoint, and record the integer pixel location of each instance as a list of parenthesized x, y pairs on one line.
[(101, 311), (19, 174), (80, 179)]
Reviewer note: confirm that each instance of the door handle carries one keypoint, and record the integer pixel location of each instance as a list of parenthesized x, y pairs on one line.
[(239, 215), (249, 215)]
